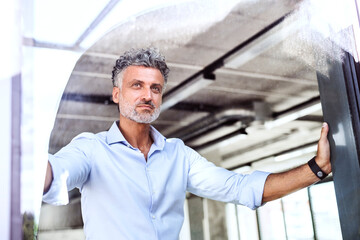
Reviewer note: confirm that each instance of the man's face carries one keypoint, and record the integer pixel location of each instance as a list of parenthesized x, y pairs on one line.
[(140, 95)]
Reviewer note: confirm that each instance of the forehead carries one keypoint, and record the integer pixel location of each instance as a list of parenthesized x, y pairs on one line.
[(145, 74)]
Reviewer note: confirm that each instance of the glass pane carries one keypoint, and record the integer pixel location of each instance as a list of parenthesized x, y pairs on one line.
[(271, 221), (325, 211), (247, 223), (231, 222), (298, 216)]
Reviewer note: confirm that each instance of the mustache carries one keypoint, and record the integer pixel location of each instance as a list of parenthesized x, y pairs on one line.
[(150, 103)]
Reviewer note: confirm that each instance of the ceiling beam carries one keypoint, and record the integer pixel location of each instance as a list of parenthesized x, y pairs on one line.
[(235, 72), (107, 99), (269, 148), (91, 74), (185, 89), (306, 108), (226, 71), (86, 117), (112, 119), (31, 42), (283, 154), (88, 98)]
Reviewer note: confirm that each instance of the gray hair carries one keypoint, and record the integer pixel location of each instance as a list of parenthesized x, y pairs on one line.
[(147, 57)]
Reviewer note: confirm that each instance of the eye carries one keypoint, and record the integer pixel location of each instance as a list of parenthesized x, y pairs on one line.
[(156, 89), (136, 84)]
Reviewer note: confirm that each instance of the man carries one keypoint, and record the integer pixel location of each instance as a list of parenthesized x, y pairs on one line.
[(133, 181)]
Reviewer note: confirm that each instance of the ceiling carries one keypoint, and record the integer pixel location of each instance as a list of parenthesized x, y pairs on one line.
[(260, 102)]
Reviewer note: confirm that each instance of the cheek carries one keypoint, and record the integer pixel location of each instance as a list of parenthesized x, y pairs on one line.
[(130, 97), (159, 100)]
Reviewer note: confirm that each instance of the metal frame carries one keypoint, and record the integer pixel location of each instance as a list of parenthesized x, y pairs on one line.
[(338, 104), (15, 217)]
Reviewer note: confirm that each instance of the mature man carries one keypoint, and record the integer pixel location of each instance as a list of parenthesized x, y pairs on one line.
[(133, 180)]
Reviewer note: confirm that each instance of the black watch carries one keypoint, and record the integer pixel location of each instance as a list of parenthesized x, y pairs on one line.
[(316, 169)]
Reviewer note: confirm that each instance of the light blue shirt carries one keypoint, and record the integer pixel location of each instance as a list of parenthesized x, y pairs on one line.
[(125, 197)]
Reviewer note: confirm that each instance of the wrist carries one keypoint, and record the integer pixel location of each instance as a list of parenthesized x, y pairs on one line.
[(325, 166), (316, 169)]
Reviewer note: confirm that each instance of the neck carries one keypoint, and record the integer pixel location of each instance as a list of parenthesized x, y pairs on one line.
[(137, 134)]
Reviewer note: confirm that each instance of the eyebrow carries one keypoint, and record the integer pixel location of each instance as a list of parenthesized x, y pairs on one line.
[(136, 80), (141, 81)]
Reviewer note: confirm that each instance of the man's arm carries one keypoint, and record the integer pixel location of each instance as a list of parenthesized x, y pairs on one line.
[(48, 178), (280, 184)]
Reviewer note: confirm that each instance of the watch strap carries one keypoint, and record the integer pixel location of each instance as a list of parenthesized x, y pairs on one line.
[(316, 169)]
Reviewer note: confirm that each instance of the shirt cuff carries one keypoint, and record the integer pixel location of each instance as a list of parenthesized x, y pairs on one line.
[(257, 180), (58, 192)]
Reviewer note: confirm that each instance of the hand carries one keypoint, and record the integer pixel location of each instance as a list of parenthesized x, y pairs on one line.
[(323, 150)]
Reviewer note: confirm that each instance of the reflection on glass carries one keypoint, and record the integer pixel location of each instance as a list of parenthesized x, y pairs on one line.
[(298, 216), (325, 212), (271, 221)]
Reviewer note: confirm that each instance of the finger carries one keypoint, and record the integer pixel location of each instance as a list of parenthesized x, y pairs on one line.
[(324, 131)]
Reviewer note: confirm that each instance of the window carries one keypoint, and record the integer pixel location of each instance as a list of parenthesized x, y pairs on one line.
[(298, 216), (307, 214), (271, 221), (325, 213), (247, 222)]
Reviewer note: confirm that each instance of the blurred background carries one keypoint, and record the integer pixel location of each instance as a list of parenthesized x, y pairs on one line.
[(250, 84)]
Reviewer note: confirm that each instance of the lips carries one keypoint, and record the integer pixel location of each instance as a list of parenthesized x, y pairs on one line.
[(148, 106)]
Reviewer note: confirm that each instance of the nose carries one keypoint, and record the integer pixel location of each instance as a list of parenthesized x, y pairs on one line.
[(147, 94)]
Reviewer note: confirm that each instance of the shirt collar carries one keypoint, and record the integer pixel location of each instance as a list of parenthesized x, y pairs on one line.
[(159, 139), (114, 135)]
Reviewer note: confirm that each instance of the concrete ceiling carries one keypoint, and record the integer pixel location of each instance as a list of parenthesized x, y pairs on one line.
[(270, 83)]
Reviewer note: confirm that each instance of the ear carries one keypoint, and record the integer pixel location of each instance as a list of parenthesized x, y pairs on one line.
[(115, 94)]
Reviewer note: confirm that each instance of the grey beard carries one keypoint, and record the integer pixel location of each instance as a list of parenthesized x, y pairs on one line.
[(128, 111), (142, 118)]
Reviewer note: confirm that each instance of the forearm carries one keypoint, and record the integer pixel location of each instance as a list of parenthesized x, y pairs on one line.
[(48, 178), (278, 185)]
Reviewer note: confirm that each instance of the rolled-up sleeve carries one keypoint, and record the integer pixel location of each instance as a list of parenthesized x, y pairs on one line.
[(70, 167), (209, 181)]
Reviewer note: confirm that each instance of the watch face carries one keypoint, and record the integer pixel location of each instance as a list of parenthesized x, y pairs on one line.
[(320, 174)]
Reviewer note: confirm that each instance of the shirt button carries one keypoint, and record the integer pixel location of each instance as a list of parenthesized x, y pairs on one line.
[(153, 216)]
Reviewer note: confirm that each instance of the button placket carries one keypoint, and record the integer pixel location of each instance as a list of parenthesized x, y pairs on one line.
[(151, 191)]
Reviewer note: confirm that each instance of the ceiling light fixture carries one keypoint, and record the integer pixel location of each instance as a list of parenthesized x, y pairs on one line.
[(297, 153), (293, 115)]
